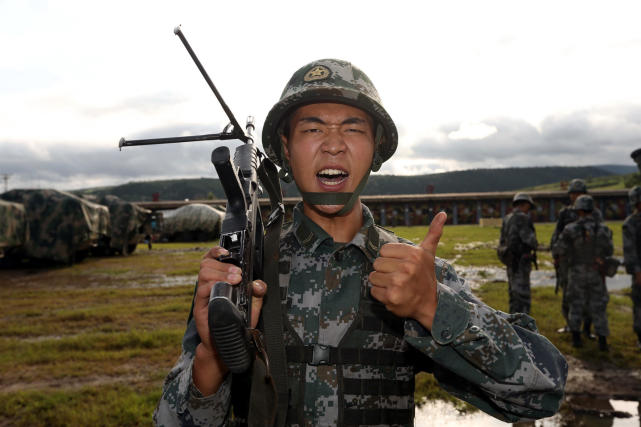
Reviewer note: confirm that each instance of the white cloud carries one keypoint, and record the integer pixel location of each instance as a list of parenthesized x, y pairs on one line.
[(472, 131), (87, 73)]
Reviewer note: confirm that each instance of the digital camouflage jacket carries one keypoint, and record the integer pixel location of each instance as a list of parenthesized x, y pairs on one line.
[(584, 240), (632, 243), (566, 216), (497, 362), (517, 233)]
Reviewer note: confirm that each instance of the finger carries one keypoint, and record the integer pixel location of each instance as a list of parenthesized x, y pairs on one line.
[(434, 233), (215, 252), (395, 250), (387, 265), (215, 271), (386, 280), (379, 294), (259, 288)]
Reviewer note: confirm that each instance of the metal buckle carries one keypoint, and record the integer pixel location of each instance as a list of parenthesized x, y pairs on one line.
[(275, 214), (320, 355)]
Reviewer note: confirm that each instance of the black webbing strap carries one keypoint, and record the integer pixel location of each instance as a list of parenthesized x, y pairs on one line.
[(378, 416), (347, 356), (271, 311), (377, 387)]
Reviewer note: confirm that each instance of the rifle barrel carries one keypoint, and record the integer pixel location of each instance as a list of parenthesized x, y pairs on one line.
[(175, 139), (237, 129)]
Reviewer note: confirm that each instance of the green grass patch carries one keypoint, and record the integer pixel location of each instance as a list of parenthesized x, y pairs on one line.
[(546, 309), (116, 405), (112, 321), (473, 245)]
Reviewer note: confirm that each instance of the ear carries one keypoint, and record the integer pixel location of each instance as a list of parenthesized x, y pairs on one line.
[(283, 140)]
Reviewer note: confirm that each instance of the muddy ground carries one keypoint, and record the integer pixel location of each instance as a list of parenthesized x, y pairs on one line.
[(599, 380)]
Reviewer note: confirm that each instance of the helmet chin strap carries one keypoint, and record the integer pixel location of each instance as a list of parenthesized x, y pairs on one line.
[(329, 198)]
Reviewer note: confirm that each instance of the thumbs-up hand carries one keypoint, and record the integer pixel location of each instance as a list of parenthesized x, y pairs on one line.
[(404, 279)]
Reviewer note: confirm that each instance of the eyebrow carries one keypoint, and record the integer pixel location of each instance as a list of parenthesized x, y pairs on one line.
[(347, 121)]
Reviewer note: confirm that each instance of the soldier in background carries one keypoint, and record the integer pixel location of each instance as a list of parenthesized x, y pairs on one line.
[(566, 216), (519, 238), (585, 244), (632, 255)]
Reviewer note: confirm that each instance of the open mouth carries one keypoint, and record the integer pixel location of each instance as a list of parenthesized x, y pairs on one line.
[(332, 176)]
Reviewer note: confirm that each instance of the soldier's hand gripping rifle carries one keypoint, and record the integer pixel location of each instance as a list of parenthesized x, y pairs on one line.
[(242, 232)]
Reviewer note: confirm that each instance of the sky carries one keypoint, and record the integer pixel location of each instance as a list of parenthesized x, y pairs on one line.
[(469, 84)]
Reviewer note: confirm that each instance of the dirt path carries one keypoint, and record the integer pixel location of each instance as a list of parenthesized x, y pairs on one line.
[(602, 380)]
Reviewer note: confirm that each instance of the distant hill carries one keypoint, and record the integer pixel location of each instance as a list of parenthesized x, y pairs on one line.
[(619, 169), (473, 180)]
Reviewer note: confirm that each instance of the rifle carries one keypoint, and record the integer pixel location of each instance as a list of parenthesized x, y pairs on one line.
[(557, 271), (242, 232)]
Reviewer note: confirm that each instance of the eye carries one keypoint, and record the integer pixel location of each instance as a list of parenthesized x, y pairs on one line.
[(311, 130), (356, 130)]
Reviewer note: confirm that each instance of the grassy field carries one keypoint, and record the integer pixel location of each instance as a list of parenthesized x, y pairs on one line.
[(91, 344), (611, 182)]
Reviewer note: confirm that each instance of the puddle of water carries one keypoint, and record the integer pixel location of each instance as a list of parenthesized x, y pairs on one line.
[(587, 412), (443, 414), (475, 276)]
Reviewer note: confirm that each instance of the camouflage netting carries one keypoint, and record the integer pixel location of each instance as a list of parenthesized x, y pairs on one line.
[(62, 227), (129, 223), (12, 226), (195, 222)]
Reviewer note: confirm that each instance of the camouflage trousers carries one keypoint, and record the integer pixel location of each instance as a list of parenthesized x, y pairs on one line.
[(518, 280), (636, 307), (562, 277), (564, 272), (586, 289)]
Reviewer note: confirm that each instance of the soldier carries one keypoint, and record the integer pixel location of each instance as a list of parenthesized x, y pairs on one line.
[(632, 255), (586, 243), (363, 309), (519, 238), (567, 215)]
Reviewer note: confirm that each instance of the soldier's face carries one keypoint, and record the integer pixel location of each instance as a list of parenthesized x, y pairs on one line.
[(329, 147)]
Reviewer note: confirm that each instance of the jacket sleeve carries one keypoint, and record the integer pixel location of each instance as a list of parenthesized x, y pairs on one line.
[(181, 404), (495, 361), (631, 258), (555, 236), (606, 248)]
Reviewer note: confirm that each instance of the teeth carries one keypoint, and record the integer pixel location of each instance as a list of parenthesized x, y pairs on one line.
[(332, 176), (332, 172)]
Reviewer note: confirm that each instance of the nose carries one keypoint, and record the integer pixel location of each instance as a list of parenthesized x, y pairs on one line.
[(334, 143)]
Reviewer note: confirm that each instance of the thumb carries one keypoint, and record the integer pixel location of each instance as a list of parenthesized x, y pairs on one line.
[(259, 289), (430, 242)]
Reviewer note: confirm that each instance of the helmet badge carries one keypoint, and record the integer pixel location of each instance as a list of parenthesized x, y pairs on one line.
[(318, 72)]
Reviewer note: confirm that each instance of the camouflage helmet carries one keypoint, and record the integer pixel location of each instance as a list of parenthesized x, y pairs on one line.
[(584, 202), (522, 197), (330, 80), (635, 195), (636, 156), (577, 186)]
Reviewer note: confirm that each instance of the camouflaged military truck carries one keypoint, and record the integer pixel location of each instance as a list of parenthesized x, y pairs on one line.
[(13, 230), (61, 227), (129, 224), (192, 223)]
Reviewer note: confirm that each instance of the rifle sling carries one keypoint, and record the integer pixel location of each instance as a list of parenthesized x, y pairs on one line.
[(272, 310)]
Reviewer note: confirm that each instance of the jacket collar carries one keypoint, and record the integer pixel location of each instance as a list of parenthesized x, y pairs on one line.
[(310, 235)]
